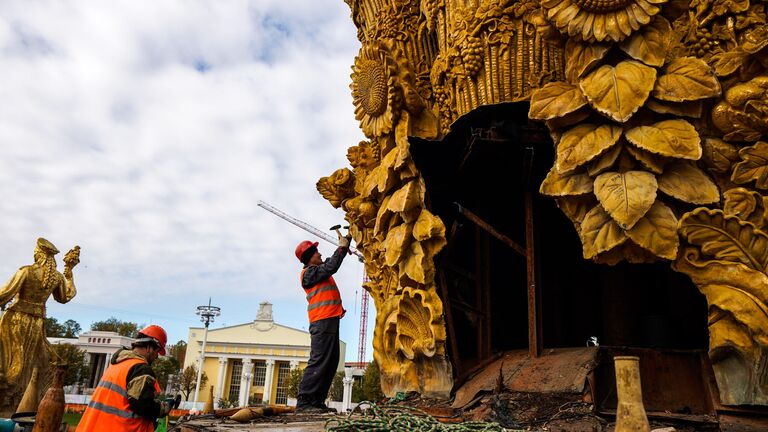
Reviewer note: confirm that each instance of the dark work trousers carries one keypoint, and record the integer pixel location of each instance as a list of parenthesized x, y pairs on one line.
[(323, 361)]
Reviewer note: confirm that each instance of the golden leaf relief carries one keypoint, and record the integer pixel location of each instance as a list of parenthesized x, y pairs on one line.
[(599, 233), (725, 238), (686, 182), (576, 207), (673, 138), (556, 184), (687, 79), (555, 99), (416, 268), (428, 226), (605, 161), (407, 197), (583, 143), (626, 196), (718, 155), (753, 166), (651, 44), (657, 231), (692, 109), (394, 246), (648, 160), (620, 91), (745, 204), (580, 57)]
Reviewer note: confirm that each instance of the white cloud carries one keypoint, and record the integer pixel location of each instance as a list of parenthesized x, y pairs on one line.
[(147, 131)]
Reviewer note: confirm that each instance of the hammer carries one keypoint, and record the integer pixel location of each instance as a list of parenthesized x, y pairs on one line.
[(336, 228)]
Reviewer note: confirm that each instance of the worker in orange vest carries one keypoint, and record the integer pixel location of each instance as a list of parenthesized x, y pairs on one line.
[(125, 398), (324, 310)]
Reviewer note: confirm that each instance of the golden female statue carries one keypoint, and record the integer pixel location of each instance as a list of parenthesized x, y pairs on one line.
[(23, 345)]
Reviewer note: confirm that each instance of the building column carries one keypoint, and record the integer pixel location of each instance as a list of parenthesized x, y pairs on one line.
[(268, 381), (246, 379), (222, 378), (106, 364), (347, 399)]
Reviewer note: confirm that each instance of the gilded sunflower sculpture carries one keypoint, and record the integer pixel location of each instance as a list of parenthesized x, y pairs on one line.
[(600, 20), (375, 91)]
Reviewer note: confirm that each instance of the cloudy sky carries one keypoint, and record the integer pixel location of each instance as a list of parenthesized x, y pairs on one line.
[(147, 131)]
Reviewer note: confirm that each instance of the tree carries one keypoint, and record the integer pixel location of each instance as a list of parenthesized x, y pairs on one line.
[(71, 329), (164, 367), (336, 393), (372, 383), (188, 381), (293, 381), (53, 328), (178, 351), (74, 358), (123, 328)]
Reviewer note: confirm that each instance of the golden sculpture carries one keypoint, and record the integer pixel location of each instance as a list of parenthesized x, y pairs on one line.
[(655, 107), (23, 346)]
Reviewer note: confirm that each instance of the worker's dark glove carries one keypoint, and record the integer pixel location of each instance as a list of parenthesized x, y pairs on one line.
[(165, 409)]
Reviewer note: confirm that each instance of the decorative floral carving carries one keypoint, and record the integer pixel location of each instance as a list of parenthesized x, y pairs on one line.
[(375, 93), (600, 20)]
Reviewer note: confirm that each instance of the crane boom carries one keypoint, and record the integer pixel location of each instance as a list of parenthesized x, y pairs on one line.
[(306, 227)]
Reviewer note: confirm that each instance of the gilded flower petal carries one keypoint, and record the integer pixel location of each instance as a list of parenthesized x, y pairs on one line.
[(623, 22), (640, 15), (612, 28), (586, 33), (566, 15), (598, 28), (577, 24), (650, 9)]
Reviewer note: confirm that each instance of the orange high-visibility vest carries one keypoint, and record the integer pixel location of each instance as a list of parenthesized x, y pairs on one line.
[(324, 300), (109, 409)]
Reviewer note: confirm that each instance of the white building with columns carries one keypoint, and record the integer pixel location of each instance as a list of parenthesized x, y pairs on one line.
[(99, 346), (251, 361)]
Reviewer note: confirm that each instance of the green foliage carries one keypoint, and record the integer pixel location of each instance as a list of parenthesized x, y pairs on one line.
[(227, 403), (358, 394), (336, 393), (53, 328), (72, 329), (123, 328), (74, 358), (163, 368), (188, 381), (178, 351), (372, 383), (292, 384)]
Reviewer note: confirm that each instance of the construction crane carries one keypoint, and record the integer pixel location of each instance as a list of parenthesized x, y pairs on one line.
[(363, 337)]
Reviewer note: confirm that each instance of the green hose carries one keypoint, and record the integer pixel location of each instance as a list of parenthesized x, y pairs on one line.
[(401, 418)]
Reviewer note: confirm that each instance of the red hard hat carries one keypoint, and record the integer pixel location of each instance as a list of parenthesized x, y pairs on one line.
[(158, 334), (305, 246)]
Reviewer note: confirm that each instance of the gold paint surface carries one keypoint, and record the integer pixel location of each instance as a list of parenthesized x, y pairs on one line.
[(654, 107)]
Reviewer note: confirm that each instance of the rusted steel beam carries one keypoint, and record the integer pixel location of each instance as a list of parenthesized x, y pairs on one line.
[(534, 308), (489, 229), (449, 321)]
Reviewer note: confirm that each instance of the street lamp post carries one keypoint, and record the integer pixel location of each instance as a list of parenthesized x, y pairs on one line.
[(207, 314)]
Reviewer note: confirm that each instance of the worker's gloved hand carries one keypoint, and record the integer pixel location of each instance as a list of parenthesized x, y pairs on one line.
[(344, 241), (165, 409)]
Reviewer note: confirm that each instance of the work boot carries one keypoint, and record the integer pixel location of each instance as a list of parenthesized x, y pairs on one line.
[(309, 409)]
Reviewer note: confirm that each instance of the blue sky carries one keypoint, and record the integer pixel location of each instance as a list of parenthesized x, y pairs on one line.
[(147, 131)]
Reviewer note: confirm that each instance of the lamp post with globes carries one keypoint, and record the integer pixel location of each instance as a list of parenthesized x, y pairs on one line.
[(207, 314)]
